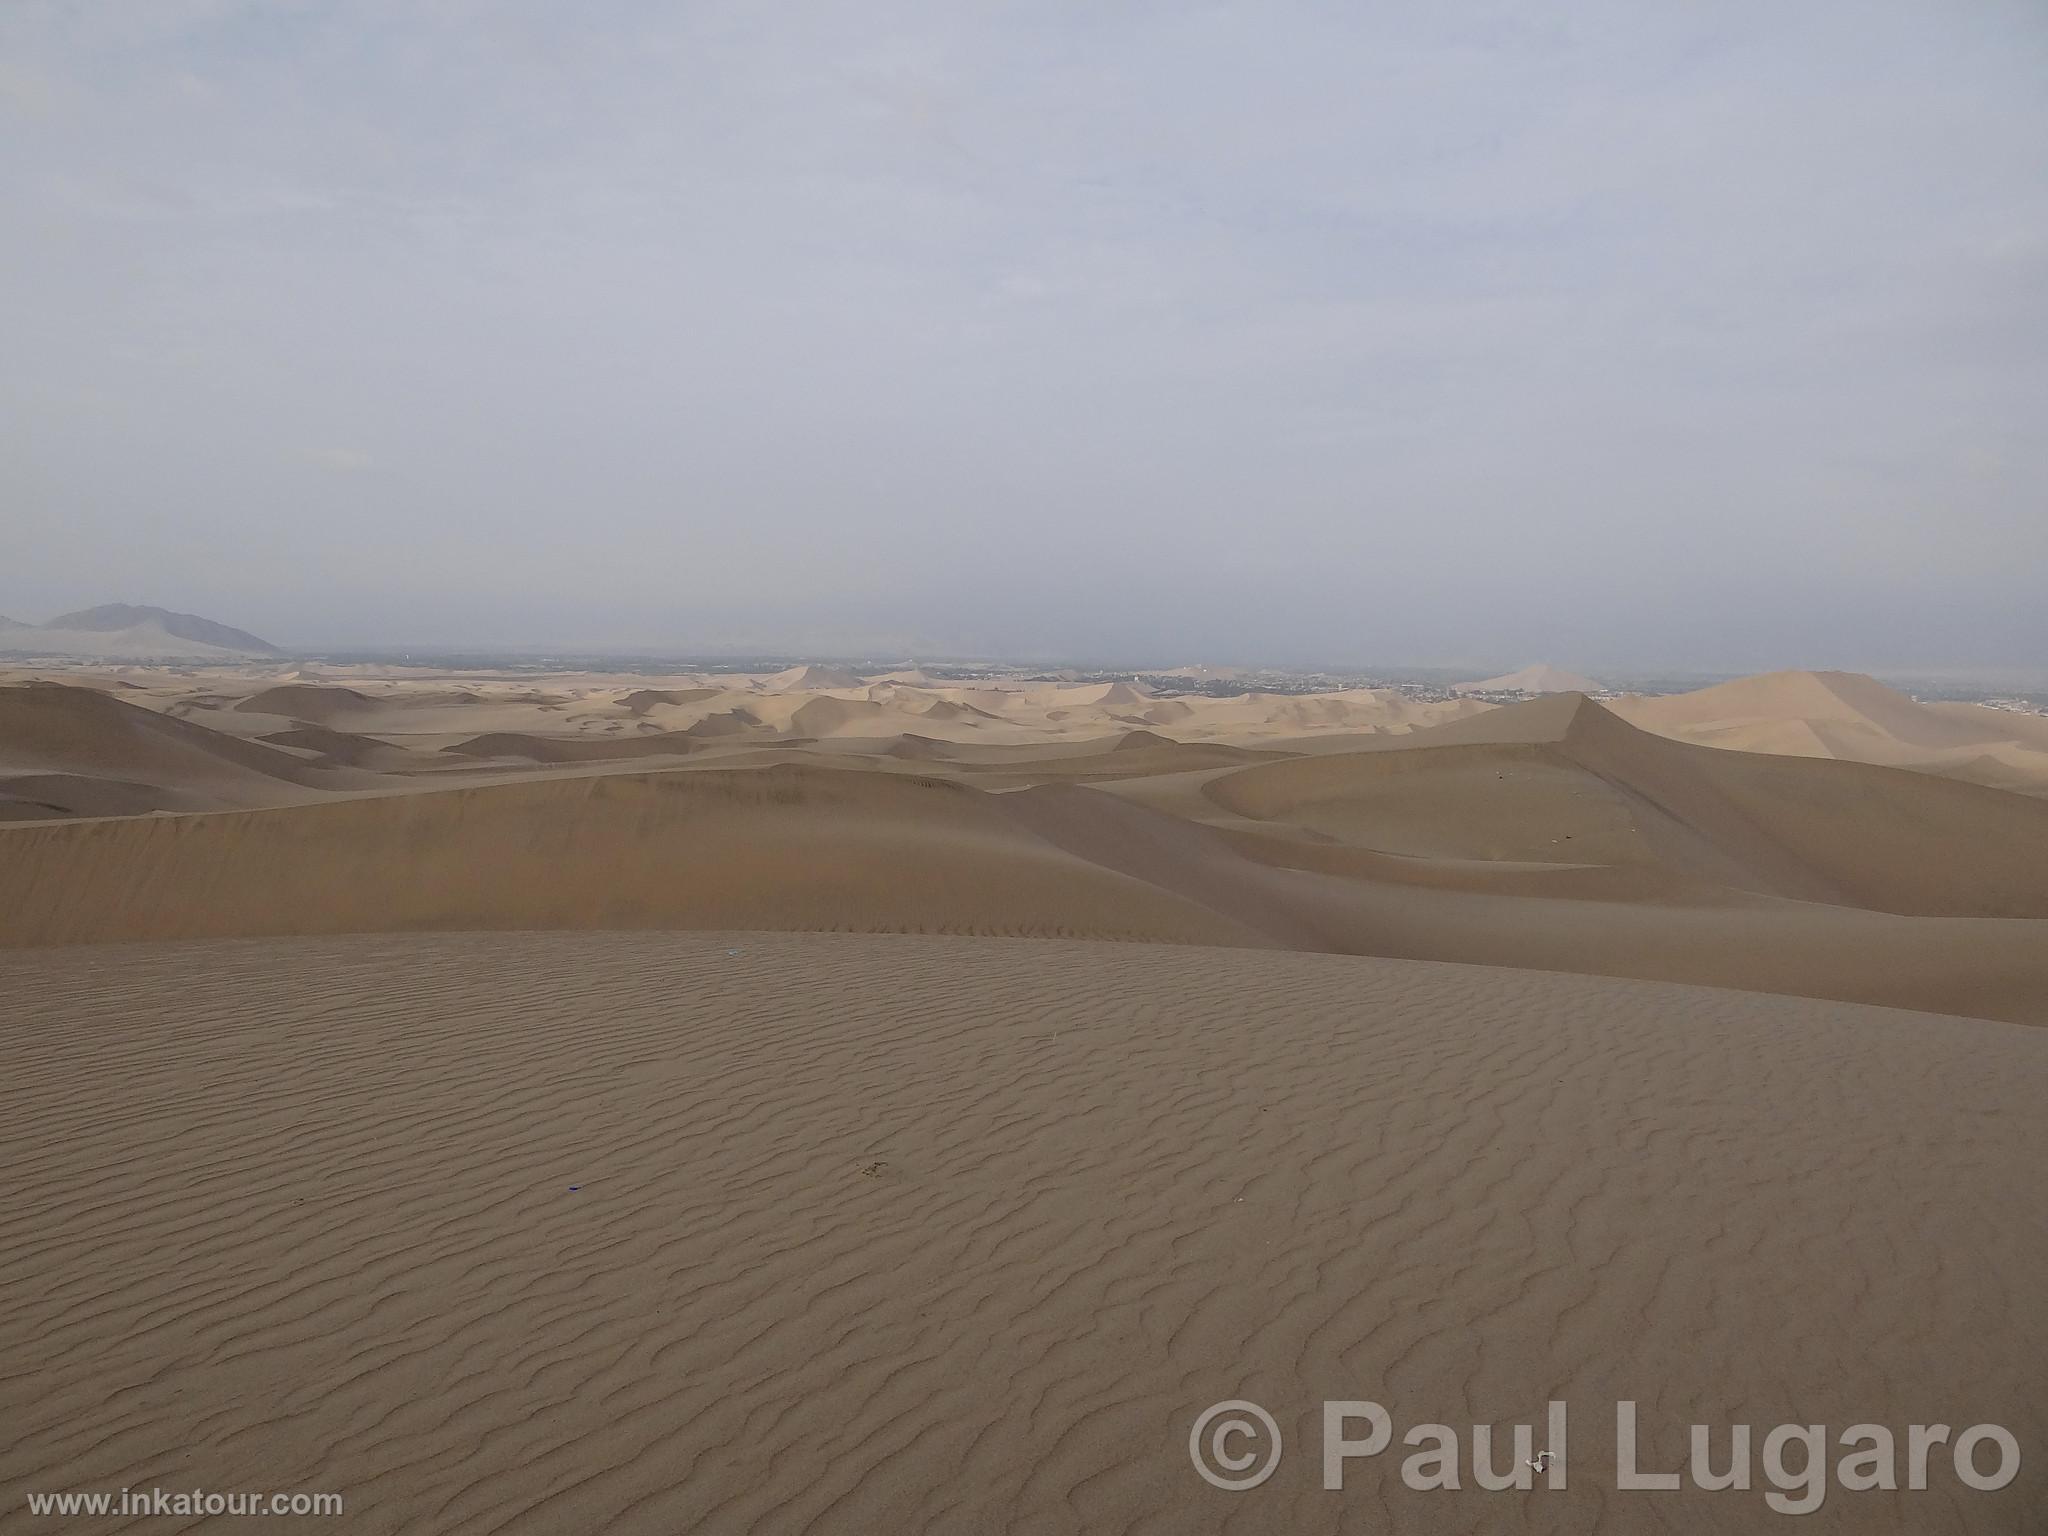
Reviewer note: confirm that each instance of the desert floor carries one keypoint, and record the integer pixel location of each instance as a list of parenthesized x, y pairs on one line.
[(710, 1103)]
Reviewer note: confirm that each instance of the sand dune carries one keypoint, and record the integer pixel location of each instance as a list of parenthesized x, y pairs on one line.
[(1107, 695), (827, 716), (787, 846), (1102, 760), (1846, 715), (916, 748), (641, 700), (50, 796), (1543, 834), (316, 703), (737, 1232), (1542, 677), (948, 709), (1998, 724), (725, 722), (556, 749), (87, 751), (1463, 851), (2021, 771), (1815, 698), (1137, 741), (1366, 710), (811, 678), (915, 677), (49, 723), (1561, 779), (343, 747)]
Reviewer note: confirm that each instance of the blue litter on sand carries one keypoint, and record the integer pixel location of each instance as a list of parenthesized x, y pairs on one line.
[(574, 1187)]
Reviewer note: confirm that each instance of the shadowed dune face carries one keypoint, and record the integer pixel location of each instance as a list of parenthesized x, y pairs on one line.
[(1563, 780), (51, 723), (730, 722), (641, 700), (733, 1232), (45, 796), (1507, 803), (787, 847), (314, 703), (343, 747), (95, 754), (551, 749)]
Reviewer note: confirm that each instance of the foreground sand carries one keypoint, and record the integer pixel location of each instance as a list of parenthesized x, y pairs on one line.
[(877, 1234)]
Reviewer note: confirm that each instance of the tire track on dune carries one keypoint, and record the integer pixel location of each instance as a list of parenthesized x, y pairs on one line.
[(919, 1233)]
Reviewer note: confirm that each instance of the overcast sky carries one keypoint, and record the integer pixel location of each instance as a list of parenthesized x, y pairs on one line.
[(1656, 333)]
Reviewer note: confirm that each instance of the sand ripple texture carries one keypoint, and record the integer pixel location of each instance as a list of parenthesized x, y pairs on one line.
[(694, 1232)]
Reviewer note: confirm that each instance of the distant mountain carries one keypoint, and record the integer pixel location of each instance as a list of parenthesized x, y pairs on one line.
[(111, 617), (127, 632), (1541, 678)]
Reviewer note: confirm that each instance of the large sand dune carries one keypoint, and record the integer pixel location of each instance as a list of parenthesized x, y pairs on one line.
[(1526, 780), (784, 1233), (1544, 835), (787, 847), (1845, 715), (82, 751)]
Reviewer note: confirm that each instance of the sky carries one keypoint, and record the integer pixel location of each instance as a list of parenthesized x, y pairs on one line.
[(1636, 332)]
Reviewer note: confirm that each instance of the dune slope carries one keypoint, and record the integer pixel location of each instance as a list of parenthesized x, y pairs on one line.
[(1565, 780), (804, 846), (151, 760), (829, 1233), (781, 847), (1847, 715)]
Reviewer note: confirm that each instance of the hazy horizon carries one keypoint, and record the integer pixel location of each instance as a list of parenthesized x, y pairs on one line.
[(1711, 341)]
